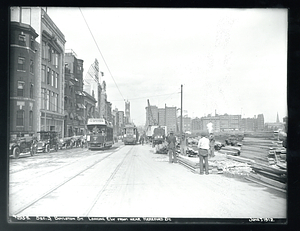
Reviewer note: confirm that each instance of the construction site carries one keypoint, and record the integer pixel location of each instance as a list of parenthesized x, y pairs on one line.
[(253, 157)]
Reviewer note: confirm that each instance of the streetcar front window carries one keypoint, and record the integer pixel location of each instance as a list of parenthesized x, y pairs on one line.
[(96, 129)]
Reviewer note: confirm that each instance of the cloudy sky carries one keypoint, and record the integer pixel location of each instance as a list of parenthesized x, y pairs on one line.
[(230, 61)]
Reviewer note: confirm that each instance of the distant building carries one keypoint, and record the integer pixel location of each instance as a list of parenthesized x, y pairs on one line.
[(186, 123), (162, 116), (93, 87), (127, 112), (196, 125), (151, 115), (171, 119)]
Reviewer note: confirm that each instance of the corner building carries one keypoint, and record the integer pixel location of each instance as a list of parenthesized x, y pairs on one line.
[(48, 66), (23, 74)]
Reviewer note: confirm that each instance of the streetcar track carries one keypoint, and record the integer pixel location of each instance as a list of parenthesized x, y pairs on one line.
[(60, 185), (54, 161), (106, 184), (38, 164)]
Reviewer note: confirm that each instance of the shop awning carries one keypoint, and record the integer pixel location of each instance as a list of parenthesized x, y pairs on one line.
[(71, 84), (80, 105), (79, 117), (78, 92)]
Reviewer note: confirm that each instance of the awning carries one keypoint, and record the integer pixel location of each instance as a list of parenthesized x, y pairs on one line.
[(71, 115), (78, 92), (79, 117), (80, 105), (71, 84)]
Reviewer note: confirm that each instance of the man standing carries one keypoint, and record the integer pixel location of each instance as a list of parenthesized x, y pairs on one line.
[(171, 146), (203, 146)]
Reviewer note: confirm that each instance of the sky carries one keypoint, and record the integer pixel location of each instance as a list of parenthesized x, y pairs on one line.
[(230, 61)]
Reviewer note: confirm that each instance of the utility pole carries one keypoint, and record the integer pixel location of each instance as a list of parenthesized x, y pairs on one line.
[(181, 119)]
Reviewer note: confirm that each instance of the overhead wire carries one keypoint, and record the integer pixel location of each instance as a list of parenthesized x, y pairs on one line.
[(101, 54)]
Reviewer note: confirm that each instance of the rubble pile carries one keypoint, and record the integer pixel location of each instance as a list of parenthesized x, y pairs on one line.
[(219, 164)]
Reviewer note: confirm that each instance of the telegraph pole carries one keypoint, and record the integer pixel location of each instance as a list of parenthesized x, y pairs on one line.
[(181, 119)]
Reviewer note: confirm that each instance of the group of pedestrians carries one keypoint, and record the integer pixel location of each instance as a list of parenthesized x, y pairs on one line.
[(205, 149)]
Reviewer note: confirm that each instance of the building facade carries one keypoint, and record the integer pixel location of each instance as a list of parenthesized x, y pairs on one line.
[(92, 85), (127, 112), (74, 100), (151, 115), (23, 74), (49, 68), (171, 119)]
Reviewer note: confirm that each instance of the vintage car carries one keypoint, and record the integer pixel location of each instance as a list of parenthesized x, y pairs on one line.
[(18, 145), (48, 141)]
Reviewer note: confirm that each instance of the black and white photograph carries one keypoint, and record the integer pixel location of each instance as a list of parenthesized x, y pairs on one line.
[(147, 115)]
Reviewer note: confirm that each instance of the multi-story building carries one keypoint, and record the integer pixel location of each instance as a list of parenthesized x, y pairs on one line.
[(171, 119), (162, 116), (74, 95), (186, 123), (121, 121), (260, 122), (93, 87), (23, 74), (151, 115), (127, 112), (90, 106), (196, 125), (48, 66)]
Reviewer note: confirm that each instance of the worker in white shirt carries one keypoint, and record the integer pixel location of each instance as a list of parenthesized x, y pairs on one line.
[(203, 147)]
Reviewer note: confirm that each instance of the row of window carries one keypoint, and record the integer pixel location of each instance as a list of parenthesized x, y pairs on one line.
[(21, 118), (21, 91), (22, 64), (49, 100), (49, 76), (50, 54)]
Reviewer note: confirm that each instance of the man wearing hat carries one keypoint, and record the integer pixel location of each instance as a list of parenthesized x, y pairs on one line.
[(203, 146), (171, 146)]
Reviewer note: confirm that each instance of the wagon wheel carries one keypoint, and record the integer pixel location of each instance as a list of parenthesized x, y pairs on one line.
[(16, 152), (47, 148)]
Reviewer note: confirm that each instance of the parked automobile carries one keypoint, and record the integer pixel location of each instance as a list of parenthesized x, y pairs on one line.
[(18, 145), (48, 141)]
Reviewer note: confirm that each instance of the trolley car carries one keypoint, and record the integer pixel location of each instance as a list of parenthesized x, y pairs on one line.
[(130, 134), (100, 133)]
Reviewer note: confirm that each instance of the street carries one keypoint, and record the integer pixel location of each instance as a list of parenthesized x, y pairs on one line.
[(131, 181)]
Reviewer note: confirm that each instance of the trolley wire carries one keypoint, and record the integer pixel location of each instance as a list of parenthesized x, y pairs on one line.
[(101, 54)]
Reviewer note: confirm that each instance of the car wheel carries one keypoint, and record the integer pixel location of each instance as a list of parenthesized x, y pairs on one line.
[(16, 152), (47, 148)]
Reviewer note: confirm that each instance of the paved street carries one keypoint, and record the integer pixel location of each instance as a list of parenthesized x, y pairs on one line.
[(131, 181)]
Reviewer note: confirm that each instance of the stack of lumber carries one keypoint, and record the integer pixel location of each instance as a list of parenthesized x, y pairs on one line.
[(193, 165), (231, 150), (270, 176)]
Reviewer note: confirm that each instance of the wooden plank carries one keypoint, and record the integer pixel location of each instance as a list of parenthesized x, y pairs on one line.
[(241, 159), (264, 184), (282, 179), (268, 181), (269, 169)]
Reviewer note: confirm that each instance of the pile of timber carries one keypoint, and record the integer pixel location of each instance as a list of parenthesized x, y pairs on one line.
[(231, 150), (271, 176)]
